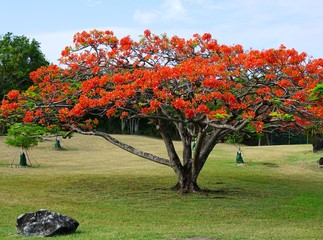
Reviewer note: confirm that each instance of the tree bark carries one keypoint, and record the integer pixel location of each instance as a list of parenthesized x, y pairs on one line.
[(188, 183), (188, 173)]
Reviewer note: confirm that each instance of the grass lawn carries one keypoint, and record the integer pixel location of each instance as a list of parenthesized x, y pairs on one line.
[(115, 195)]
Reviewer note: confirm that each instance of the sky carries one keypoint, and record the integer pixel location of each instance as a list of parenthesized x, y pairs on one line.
[(256, 24)]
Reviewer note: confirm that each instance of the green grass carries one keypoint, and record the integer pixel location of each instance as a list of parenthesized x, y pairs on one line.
[(115, 195)]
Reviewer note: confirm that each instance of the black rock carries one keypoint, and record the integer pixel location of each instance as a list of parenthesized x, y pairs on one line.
[(320, 162), (317, 145), (45, 223)]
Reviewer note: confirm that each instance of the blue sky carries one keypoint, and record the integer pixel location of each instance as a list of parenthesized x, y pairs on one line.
[(257, 24)]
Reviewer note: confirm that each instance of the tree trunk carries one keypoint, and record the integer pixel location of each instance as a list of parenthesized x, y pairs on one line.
[(3, 128), (187, 183)]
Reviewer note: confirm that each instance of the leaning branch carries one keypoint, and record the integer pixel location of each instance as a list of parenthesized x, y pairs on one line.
[(124, 146)]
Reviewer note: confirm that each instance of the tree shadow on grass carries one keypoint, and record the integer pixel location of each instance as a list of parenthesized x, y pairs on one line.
[(220, 193), (199, 238), (209, 193), (272, 165)]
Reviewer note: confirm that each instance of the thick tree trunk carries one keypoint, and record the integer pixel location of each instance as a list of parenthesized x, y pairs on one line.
[(187, 184), (187, 177)]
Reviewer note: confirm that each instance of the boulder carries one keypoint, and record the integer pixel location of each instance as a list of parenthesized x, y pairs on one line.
[(45, 223), (317, 145), (320, 162)]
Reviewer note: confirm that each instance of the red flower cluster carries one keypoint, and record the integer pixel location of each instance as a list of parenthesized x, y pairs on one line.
[(171, 78)]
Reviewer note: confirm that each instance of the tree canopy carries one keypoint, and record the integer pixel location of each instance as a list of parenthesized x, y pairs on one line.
[(206, 90), (24, 136), (18, 57)]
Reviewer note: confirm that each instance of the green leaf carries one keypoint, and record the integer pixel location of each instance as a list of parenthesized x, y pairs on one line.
[(24, 135)]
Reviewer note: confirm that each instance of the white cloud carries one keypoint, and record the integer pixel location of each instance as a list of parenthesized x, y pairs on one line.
[(172, 10), (145, 17), (168, 11)]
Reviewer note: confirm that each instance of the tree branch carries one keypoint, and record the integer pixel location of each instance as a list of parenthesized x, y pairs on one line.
[(173, 156), (124, 146), (236, 127)]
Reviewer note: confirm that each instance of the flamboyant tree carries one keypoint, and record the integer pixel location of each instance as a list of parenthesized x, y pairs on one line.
[(207, 91)]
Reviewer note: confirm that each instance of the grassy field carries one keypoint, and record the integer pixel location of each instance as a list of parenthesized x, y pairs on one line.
[(115, 195)]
